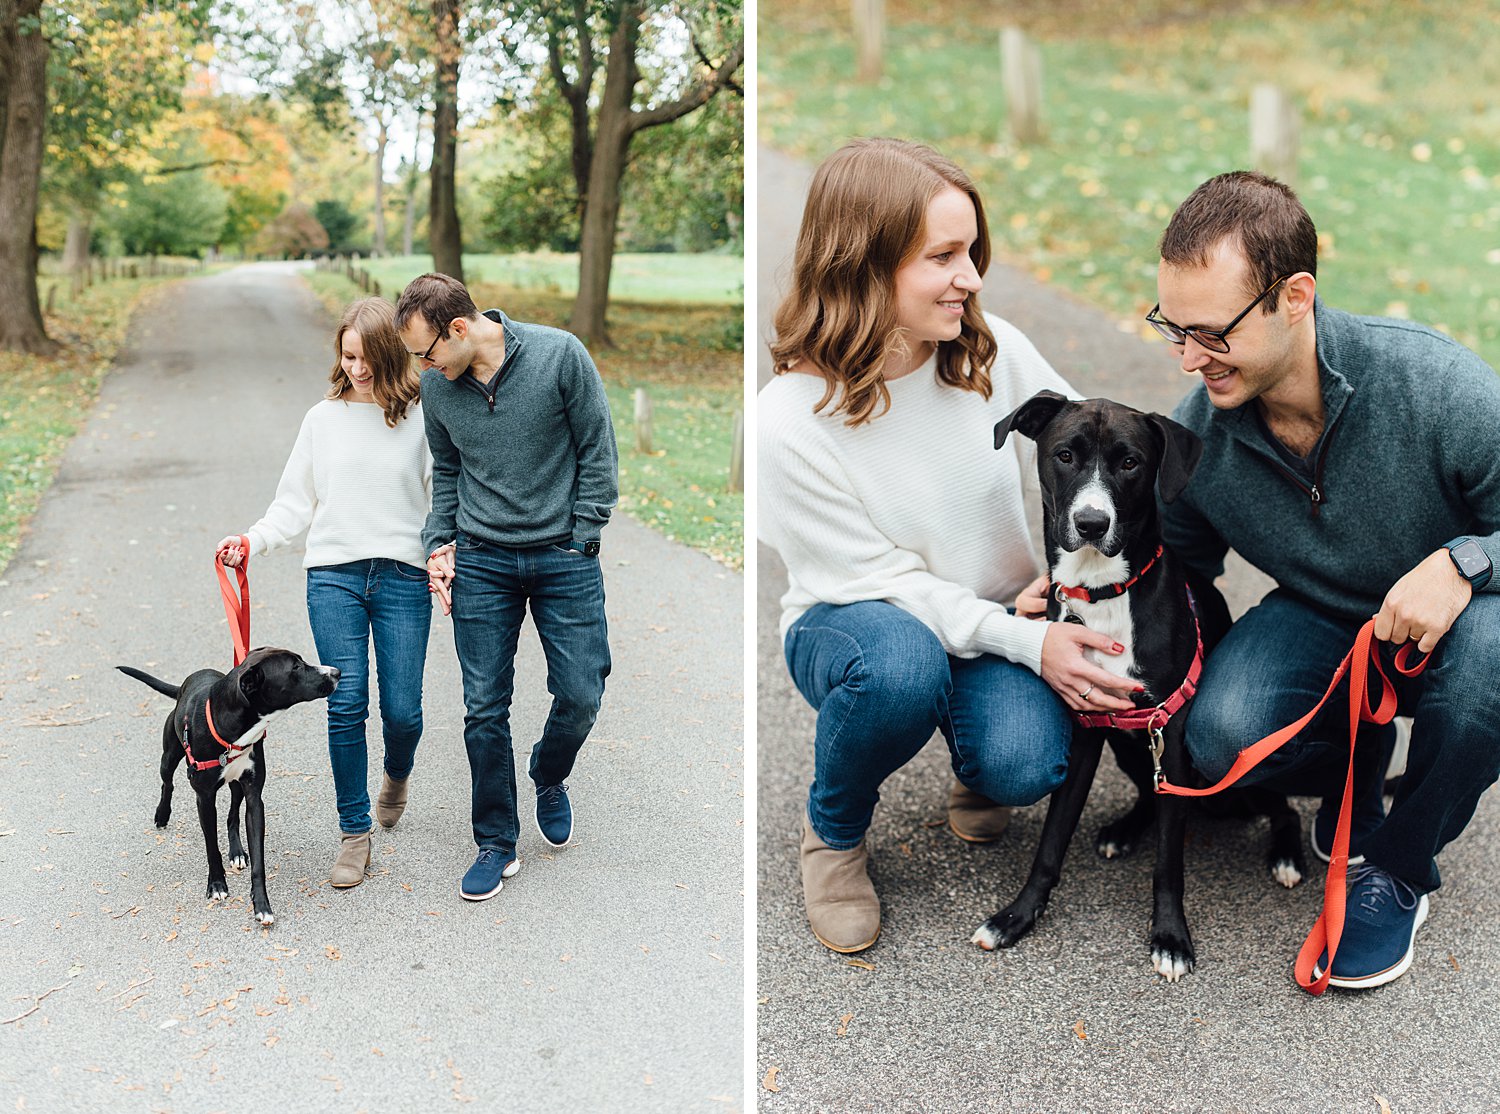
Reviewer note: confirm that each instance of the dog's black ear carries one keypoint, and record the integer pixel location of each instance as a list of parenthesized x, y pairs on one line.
[(1181, 449), (1031, 417), (251, 681)]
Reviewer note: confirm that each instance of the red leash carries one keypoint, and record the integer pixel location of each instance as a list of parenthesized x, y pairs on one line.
[(1329, 927), (237, 608)]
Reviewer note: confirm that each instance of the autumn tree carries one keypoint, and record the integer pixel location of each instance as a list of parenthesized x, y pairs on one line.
[(599, 53), (23, 111)]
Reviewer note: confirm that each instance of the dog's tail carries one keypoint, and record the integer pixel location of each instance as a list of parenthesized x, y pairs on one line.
[(155, 682)]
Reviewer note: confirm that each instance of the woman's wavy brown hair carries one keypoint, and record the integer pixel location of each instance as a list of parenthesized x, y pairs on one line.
[(865, 216), (397, 383)]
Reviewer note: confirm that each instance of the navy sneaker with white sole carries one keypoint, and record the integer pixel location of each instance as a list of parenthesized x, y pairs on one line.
[(1381, 920), (487, 876), (554, 815)]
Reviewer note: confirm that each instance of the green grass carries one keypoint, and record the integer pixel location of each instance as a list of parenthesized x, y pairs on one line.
[(1400, 155), (708, 279), (689, 359), (44, 402)]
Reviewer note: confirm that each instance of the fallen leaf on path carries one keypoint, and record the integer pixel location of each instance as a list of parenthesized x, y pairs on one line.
[(1078, 1031), (1453, 960), (844, 1024), (862, 964), (332, 952), (1385, 1107), (769, 1082)]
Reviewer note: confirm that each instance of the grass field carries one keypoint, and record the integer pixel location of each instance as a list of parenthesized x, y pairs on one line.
[(655, 278), (1400, 119), (688, 358)]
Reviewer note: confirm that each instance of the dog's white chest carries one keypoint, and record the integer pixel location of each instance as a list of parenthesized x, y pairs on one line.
[(1088, 568)]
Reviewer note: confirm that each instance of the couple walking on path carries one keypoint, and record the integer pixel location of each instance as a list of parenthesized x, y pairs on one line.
[(485, 482)]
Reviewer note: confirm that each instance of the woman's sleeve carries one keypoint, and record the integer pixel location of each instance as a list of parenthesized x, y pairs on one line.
[(810, 514)]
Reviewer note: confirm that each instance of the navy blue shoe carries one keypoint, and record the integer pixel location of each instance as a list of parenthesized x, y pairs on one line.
[(1380, 923), (554, 815), (487, 876)]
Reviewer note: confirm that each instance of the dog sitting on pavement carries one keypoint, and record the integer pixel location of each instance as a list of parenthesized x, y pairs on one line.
[(219, 726), (1101, 467)]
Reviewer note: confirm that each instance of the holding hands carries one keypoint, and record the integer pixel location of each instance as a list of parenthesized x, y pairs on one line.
[(440, 576)]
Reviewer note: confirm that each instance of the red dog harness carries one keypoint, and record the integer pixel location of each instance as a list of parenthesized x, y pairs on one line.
[(231, 752), (1154, 719)]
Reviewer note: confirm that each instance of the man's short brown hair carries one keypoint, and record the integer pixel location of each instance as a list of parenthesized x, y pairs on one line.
[(440, 299), (1258, 214)]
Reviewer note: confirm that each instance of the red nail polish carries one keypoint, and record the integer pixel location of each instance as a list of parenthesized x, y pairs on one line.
[(1119, 649)]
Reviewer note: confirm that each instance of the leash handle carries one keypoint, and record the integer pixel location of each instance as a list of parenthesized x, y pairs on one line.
[(237, 607), (1329, 926)]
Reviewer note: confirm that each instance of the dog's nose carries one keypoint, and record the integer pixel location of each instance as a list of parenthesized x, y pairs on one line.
[(1091, 524)]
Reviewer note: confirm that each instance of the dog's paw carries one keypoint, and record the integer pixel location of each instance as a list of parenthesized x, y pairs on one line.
[(218, 889), (1111, 847), (1286, 871), (162, 816), (265, 917), (1172, 955), (239, 861), (1005, 928)]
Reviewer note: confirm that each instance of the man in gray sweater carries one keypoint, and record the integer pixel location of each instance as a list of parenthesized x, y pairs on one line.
[(524, 476), (1356, 460)]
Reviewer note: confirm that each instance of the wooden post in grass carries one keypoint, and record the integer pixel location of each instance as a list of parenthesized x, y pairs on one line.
[(1021, 74), (1274, 129), (737, 453), (642, 421), (869, 37), (51, 297)]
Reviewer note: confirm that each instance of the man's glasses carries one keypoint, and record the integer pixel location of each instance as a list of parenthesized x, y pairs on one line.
[(428, 354), (1215, 340)]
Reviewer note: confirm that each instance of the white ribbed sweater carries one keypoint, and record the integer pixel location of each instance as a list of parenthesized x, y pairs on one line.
[(358, 487), (914, 507)]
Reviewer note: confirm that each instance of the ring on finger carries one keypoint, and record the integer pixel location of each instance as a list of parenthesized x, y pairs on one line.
[(1084, 695)]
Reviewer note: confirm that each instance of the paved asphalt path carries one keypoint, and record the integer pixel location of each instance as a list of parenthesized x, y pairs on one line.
[(606, 976), (1073, 1018)]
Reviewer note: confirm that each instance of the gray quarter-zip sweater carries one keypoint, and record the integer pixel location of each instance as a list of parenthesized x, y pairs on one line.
[(1409, 460), (529, 459)]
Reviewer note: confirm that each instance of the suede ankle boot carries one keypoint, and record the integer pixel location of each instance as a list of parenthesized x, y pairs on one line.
[(842, 906), (354, 855), (390, 803), (973, 817)]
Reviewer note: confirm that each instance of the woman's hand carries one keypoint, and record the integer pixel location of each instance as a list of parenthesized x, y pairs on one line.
[(228, 551), (440, 576), (1084, 686), (1032, 602)]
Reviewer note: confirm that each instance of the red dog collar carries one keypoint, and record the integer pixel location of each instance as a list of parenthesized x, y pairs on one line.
[(1109, 591), (231, 752)]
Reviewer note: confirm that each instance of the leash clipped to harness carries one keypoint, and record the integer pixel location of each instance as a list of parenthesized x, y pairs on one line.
[(1329, 927), (237, 608)]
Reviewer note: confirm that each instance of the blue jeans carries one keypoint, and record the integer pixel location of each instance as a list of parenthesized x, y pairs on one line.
[(881, 683), (492, 587), (1276, 663), (346, 605)]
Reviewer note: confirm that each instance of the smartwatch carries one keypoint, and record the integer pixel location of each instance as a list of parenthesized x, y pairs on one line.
[(591, 549), (1472, 562)]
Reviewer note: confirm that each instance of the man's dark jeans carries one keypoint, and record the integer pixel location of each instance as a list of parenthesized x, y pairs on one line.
[(1277, 661), (492, 587)]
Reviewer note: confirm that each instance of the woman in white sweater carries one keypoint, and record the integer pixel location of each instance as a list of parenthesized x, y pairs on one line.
[(901, 528), (359, 482)]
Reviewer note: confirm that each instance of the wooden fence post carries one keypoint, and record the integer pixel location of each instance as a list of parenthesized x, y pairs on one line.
[(1274, 137), (1021, 75), (642, 421), (869, 37), (737, 453)]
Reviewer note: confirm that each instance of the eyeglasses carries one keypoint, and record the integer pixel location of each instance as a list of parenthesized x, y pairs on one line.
[(428, 354), (1215, 340)]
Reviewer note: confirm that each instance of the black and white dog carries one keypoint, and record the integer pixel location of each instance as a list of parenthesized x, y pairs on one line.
[(219, 727), (1101, 466)]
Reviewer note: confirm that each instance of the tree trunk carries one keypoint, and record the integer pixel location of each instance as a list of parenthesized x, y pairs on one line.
[(76, 249), (445, 240), (601, 211), (379, 245), (21, 328)]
